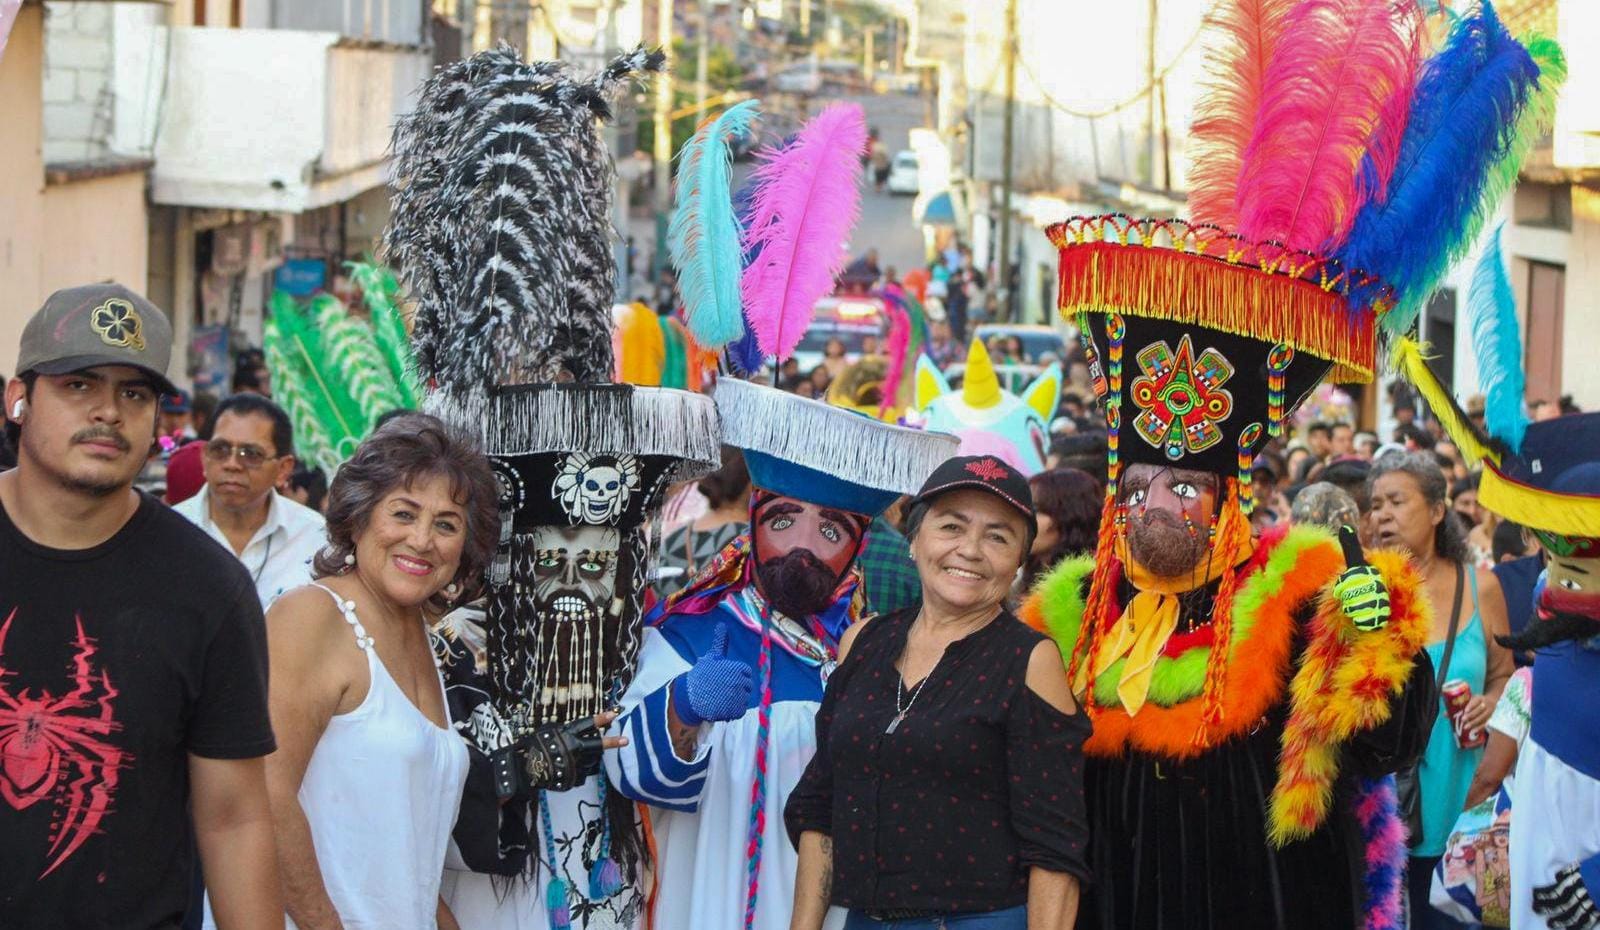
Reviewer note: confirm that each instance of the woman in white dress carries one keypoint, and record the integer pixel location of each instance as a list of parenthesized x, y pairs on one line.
[(367, 778)]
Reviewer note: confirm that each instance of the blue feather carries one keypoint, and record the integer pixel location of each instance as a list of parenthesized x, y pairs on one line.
[(1444, 188), (745, 352), (704, 237), (1497, 343)]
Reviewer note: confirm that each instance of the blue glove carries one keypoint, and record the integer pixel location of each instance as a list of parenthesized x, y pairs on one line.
[(717, 688)]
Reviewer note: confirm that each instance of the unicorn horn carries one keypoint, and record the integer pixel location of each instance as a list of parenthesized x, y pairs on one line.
[(981, 388)]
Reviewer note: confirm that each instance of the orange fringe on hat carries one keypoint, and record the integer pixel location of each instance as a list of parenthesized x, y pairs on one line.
[(1344, 685), (1163, 283)]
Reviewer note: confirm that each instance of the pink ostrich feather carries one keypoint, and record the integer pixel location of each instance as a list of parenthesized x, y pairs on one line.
[(806, 203), (1335, 93), (1245, 33)]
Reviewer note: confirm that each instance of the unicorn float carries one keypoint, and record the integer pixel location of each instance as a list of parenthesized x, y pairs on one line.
[(986, 418)]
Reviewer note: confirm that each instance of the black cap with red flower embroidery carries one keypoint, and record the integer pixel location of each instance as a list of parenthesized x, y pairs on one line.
[(982, 473)]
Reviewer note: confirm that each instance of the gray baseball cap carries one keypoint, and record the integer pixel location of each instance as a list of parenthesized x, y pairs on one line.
[(94, 325)]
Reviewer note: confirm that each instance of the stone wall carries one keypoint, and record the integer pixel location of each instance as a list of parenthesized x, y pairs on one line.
[(78, 59)]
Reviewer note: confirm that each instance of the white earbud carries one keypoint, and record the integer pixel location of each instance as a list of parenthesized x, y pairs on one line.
[(18, 408)]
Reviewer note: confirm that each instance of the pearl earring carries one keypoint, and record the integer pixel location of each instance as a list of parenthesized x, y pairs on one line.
[(350, 559), (451, 590)]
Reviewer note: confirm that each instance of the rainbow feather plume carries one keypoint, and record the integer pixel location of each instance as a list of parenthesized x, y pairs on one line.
[(1497, 343), (1538, 114), (1226, 115), (1342, 68), (806, 202), (1452, 169), (703, 238)]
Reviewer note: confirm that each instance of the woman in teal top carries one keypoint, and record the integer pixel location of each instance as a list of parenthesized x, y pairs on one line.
[(1410, 511)]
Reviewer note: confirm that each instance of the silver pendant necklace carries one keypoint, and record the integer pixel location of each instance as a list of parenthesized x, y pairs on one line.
[(899, 691)]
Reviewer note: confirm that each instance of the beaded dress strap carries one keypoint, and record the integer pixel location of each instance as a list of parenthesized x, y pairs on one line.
[(347, 609)]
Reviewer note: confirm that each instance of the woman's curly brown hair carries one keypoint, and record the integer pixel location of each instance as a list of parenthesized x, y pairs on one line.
[(402, 451)]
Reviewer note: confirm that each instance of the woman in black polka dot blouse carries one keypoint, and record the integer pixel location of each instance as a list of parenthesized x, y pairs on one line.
[(946, 791)]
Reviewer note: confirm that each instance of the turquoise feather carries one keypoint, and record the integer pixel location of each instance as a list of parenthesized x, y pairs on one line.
[(1497, 344), (704, 237)]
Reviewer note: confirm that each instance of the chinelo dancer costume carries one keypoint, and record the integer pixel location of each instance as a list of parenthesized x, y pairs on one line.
[(721, 714), (1545, 476), (501, 231), (1249, 696)]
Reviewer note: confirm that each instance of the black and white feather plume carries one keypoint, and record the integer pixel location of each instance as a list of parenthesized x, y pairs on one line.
[(501, 221)]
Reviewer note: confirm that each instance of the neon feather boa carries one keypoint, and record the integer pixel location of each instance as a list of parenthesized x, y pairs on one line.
[(1343, 684)]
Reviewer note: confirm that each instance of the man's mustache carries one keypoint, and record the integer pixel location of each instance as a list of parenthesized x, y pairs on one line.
[(101, 434), (1551, 629)]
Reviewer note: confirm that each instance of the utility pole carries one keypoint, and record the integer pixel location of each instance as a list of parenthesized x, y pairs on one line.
[(867, 64), (1150, 89), (663, 140), (1003, 265), (701, 62)]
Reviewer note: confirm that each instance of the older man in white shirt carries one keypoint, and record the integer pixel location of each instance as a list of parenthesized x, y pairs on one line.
[(249, 455)]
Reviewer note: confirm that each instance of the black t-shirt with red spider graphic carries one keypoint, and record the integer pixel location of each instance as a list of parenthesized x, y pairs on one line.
[(117, 663)]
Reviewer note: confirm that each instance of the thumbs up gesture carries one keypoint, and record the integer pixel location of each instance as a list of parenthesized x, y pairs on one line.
[(716, 688), (1362, 594)]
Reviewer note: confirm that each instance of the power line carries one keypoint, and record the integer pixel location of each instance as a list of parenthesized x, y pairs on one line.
[(1124, 104)]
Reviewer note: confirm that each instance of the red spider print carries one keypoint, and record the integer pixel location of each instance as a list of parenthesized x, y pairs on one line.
[(53, 747)]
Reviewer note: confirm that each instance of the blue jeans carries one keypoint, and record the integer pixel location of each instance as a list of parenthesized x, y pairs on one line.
[(1012, 918)]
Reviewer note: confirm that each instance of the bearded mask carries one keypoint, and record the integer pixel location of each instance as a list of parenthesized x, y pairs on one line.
[(566, 584), (802, 551)]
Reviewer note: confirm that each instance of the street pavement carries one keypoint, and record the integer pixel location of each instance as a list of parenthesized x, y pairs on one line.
[(886, 220)]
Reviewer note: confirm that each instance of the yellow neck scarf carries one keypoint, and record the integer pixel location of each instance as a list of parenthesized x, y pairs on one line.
[(1149, 620)]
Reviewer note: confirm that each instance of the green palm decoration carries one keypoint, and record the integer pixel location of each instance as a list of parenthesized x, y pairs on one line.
[(380, 289), (331, 376)]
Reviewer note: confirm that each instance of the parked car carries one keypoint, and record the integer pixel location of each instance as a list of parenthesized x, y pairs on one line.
[(849, 318), (1038, 341), (903, 174)]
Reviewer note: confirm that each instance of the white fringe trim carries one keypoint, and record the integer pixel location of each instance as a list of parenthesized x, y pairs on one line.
[(618, 419), (829, 439)]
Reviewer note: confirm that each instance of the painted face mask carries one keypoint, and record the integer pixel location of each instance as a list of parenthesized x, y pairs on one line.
[(802, 550), (564, 598)]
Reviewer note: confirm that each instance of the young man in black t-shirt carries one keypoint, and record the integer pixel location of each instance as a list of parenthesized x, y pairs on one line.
[(133, 713)]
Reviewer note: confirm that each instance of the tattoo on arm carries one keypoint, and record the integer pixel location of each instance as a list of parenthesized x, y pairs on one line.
[(827, 870)]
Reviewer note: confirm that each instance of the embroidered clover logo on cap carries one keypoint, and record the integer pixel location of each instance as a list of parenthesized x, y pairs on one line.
[(97, 325), (118, 324)]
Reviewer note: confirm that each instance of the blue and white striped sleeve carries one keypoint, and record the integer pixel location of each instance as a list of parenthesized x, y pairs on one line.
[(647, 769)]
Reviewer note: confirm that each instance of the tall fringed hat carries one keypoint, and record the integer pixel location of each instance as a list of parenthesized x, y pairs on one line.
[(1335, 176), (1544, 475), (501, 230), (806, 449)]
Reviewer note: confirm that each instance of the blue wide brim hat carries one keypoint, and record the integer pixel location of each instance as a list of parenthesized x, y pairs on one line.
[(829, 456)]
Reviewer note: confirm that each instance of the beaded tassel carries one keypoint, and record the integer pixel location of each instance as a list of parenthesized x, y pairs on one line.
[(556, 901), (1247, 441), (758, 789), (605, 877), (1277, 365), (1099, 598), (1232, 537)]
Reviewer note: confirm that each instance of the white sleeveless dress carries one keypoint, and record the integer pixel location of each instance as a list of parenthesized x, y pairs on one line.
[(381, 793)]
